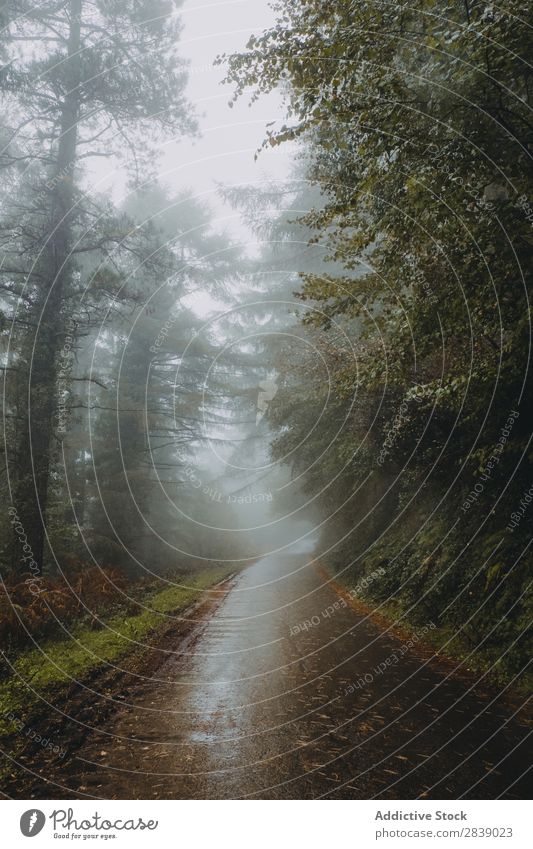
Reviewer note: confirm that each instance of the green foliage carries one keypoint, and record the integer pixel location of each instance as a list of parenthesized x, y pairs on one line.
[(416, 122)]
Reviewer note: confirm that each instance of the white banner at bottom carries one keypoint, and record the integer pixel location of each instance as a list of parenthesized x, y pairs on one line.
[(257, 824)]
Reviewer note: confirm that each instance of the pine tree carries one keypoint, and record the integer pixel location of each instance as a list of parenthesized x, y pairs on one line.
[(83, 80)]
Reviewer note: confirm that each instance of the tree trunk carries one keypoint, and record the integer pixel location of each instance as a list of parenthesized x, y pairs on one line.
[(38, 439)]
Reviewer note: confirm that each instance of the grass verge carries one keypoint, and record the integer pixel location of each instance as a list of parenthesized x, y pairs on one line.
[(446, 643), (47, 671)]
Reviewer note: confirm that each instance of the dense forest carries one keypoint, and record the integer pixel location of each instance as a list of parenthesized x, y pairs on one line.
[(348, 369), (103, 362), (422, 461)]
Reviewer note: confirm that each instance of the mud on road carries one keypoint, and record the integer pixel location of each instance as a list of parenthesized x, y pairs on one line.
[(277, 687)]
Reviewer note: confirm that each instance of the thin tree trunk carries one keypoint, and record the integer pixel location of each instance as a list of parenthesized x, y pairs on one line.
[(38, 438)]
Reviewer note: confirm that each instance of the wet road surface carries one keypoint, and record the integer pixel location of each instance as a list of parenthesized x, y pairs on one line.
[(257, 706)]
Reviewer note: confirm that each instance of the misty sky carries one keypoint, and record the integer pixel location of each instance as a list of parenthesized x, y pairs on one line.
[(224, 153), (230, 137)]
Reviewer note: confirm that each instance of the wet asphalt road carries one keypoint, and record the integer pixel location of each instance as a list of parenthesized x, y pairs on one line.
[(245, 709)]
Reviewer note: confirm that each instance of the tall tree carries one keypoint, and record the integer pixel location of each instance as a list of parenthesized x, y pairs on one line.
[(83, 80), (417, 125)]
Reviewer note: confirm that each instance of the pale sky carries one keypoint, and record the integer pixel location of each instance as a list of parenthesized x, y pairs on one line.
[(230, 137)]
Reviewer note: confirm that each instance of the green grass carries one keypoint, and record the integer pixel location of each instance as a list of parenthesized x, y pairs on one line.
[(47, 671)]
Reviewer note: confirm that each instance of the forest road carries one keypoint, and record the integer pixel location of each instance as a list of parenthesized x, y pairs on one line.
[(259, 706)]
